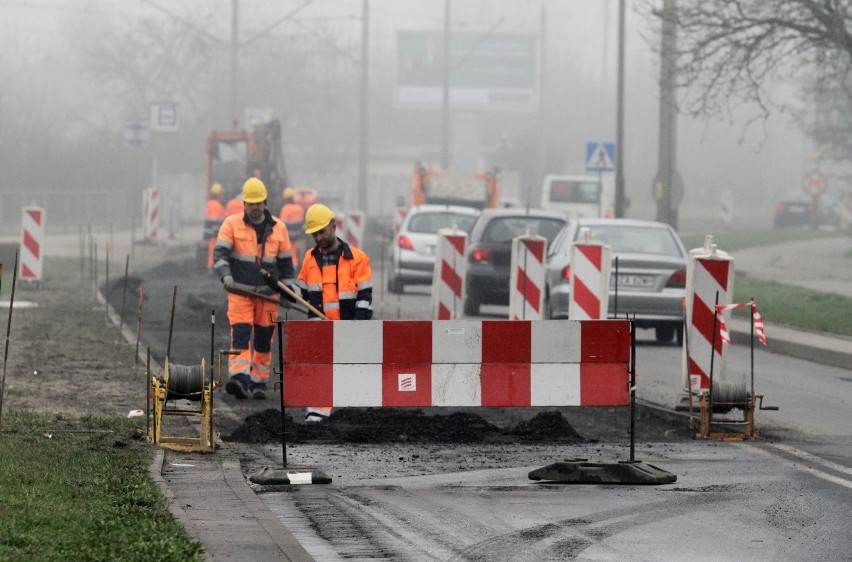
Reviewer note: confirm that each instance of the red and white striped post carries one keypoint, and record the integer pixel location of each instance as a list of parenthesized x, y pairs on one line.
[(354, 228), (709, 272), (449, 274), (526, 288), (591, 262), (399, 216), (32, 245), (151, 213)]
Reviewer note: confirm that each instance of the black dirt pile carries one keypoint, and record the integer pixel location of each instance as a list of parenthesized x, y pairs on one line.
[(378, 425)]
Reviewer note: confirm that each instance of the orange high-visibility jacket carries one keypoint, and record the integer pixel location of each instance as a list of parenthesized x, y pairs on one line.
[(235, 205), (291, 212), (341, 292), (213, 217), (241, 254)]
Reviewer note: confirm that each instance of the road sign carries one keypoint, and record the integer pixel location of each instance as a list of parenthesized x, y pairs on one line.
[(814, 183), (136, 133), (600, 156), (165, 117)]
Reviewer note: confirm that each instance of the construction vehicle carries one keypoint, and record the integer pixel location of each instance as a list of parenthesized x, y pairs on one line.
[(237, 154), (448, 187)]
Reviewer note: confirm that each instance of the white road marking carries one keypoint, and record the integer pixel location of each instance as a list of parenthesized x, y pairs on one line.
[(803, 468)]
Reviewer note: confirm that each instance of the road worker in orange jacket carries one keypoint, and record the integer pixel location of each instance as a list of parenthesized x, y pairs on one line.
[(293, 214), (213, 217), (336, 278), (235, 206), (247, 243)]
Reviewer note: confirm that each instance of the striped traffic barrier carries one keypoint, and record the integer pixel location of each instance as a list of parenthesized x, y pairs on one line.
[(463, 363), (526, 289), (32, 245), (151, 213), (399, 216), (591, 262), (709, 276), (457, 363), (449, 274), (354, 228)]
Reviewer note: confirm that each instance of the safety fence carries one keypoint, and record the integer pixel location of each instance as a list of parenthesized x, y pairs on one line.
[(463, 363)]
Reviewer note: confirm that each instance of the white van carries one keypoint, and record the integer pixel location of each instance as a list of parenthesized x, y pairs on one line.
[(579, 196)]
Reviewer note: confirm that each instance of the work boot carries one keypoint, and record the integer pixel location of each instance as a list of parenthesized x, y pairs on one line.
[(258, 390), (238, 385)]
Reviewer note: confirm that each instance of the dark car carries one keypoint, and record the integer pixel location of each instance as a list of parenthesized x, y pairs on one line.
[(797, 209), (489, 251), (651, 272)]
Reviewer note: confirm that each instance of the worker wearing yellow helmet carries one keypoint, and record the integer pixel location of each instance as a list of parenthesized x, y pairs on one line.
[(248, 242), (214, 214), (335, 278)]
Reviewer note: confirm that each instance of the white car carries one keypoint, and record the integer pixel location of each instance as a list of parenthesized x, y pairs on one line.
[(413, 256)]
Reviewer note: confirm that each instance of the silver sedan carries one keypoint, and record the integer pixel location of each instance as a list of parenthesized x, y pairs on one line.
[(649, 262)]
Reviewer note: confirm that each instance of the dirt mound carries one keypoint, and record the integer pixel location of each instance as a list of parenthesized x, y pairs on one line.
[(377, 425)]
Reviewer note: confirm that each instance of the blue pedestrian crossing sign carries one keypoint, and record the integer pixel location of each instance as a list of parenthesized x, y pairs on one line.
[(600, 156)]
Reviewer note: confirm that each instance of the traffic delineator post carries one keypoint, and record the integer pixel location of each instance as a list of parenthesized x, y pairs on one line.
[(709, 272), (354, 228), (32, 245), (448, 279), (591, 262), (151, 213), (526, 288)]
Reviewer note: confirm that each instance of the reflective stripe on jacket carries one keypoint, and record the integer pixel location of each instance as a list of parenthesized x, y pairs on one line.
[(240, 254), (341, 292)]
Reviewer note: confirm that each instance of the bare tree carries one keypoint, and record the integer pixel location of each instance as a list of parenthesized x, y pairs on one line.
[(730, 50)]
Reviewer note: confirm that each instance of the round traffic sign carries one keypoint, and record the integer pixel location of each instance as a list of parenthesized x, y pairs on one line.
[(814, 183)]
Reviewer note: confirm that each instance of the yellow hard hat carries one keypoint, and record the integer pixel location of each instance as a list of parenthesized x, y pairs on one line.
[(254, 191), (317, 217), (289, 193), (216, 189)]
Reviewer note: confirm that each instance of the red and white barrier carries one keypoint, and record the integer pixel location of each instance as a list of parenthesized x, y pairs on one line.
[(399, 216), (449, 274), (457, 363), (526, 288), (591, 262), (151, 213), (353, 223), (32, 244), (709, 270)]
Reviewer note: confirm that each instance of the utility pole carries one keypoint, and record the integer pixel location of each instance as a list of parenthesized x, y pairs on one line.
[(668, 119), (541, 139), (235, 46), (363, 143), (445, 108), (619, 119)]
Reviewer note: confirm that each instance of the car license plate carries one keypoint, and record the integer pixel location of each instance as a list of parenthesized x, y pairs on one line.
[(636, 281), (429, 250)]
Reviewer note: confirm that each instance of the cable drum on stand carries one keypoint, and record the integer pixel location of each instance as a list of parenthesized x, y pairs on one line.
[(186, 381), (728, 395)]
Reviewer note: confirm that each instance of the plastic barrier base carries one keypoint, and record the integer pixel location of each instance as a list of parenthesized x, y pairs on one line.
[(272, 476), (581, 471)]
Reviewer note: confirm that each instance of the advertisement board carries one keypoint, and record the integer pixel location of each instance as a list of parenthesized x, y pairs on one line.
[(487, 71)]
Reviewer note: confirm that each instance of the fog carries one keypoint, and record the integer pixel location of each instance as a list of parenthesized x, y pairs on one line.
[(73, 73)]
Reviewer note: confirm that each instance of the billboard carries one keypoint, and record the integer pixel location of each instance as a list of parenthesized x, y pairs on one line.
[(488, 71)]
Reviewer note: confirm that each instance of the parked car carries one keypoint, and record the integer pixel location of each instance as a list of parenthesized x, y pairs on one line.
[(490, 251), (796, 209), (651, 272), (413, 255)]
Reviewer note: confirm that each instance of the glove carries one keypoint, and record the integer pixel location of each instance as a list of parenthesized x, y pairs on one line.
[(287, 295), (270, 278), (228, 282)]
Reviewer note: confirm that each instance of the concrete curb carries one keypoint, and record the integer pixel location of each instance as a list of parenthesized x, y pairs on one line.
[(825, 349)]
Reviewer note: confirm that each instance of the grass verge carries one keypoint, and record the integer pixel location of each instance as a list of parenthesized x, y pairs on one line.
[(732, 240), (79, 489), (795, 306)]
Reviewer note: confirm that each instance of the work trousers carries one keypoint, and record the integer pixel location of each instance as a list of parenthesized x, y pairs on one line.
[(252, 326)]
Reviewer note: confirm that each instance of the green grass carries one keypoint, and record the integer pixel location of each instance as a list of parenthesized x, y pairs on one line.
[(794, 306), (731, 240), (79, 489)]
